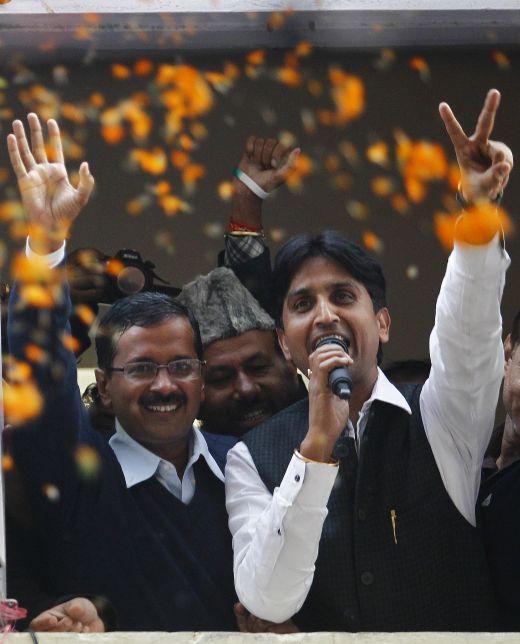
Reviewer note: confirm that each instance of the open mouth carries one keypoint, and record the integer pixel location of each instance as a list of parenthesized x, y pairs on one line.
[(330, 336), (253, 417)]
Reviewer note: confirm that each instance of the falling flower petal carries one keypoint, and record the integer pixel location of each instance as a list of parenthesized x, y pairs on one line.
[(256, 57), (226, 190), (386, 59), (372, 242), (301, 168), (378, 153), (85, 314), (357, 210), (88, 461), (348, 94), (412, 272), (152, 161), (275, 21), (420, 65), (7, 463), (382, 186), (303, 49), (36, 295), (288, 76), (35, 354), (314, 87), (70, 343), (51, 492), (143, 67), (501, 59), (22, 402), (120, 71), (399, 203)]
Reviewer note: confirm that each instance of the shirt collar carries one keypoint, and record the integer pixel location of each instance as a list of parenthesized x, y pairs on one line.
[(386, 392), (139, 464), (383, 390)]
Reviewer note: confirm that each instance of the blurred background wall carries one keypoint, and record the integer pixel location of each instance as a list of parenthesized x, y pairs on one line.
[(163, 128)]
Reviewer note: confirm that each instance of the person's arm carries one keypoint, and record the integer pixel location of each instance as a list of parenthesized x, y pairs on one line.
[(459, 398), (45, 446), (267, 162), (276, 537), (510, 446)]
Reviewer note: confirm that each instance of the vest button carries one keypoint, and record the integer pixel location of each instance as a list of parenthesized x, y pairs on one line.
[(349, 616), (367, 578), (362, 515)]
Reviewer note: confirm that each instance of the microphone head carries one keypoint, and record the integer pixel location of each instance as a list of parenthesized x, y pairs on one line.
[(342, 342)]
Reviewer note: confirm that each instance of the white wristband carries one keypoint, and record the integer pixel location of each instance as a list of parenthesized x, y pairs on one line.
[(252, 185)]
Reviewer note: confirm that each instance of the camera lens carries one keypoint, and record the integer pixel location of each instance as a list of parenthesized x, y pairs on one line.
[(130, 280)]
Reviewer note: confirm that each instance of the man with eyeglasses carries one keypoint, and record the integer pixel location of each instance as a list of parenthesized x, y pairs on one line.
[(140, 521)]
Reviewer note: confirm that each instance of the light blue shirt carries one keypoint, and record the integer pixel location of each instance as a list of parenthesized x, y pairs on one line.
[(139, 464)]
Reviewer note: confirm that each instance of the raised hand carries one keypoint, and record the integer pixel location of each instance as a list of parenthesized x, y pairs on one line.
[(50, 201), (484, 164), (267, 162)]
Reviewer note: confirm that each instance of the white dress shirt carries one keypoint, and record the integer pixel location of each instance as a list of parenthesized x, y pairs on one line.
[(276, 537)]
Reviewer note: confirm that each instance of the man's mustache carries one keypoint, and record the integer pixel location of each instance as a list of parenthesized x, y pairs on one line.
[(157, 399)]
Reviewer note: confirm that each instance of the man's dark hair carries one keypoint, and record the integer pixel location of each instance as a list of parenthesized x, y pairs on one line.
[(515, 331), (144, 310), (333, 246)]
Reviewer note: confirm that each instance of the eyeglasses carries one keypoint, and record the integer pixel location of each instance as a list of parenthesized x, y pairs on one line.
[(182, 369)]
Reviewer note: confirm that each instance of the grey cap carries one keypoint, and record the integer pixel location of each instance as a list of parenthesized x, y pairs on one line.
[(223, 307)]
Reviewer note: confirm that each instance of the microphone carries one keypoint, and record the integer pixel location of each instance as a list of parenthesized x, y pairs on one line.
[(340, 380)]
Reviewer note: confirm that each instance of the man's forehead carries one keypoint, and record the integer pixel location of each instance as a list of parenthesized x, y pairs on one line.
[(174, 330), (240, 348), (309, 282), (320, 274)]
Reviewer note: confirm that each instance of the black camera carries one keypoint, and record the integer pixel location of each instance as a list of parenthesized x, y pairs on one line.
[(126, 274)]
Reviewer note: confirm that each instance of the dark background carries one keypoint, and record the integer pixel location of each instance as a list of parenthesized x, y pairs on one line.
[(187, 244)]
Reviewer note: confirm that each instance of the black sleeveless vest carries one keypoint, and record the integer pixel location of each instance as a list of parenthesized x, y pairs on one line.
[(395, 554)]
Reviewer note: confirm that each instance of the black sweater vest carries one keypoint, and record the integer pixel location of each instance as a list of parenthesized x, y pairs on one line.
[(395, 554)]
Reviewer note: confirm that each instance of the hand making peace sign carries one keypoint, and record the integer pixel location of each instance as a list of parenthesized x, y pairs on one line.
[(484, 164)]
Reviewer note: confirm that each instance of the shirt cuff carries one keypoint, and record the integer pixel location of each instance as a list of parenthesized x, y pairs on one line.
[(308, 484), (52, 259), (482, 260)]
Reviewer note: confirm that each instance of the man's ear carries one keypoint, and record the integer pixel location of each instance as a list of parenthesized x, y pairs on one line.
[(102, 382), (283, 345), (383, 321), (508, 349)]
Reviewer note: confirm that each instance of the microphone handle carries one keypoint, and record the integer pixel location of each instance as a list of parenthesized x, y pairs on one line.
[(340, 380)]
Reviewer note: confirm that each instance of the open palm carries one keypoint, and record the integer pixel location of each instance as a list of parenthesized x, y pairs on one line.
[(49, 199)]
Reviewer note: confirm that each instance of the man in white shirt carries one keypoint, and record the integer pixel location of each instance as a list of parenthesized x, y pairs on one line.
[(369, 524)]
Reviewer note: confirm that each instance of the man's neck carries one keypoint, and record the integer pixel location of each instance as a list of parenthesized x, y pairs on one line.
[(176, 454), (361, 392), (510, 448)]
